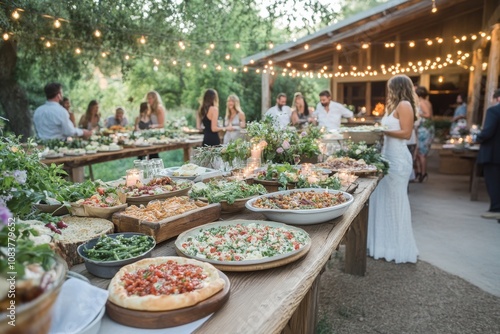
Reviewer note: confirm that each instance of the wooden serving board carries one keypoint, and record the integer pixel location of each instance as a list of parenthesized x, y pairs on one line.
[(169, 227), (259, 266), (164, 319)]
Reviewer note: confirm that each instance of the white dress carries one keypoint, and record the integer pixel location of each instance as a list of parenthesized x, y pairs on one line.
[(390, 233)]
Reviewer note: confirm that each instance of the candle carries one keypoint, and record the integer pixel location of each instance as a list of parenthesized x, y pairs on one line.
[(255, 152), (133, 176), (363, 119), (452, 141)]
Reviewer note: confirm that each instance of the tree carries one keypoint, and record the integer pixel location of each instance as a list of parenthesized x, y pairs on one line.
[(43, 36)]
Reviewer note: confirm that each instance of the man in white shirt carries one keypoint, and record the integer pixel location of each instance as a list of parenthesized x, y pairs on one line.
[(281, 113), (52, 120), (329, 113)]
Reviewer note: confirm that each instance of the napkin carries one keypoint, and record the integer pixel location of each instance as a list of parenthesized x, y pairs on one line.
[(76, 307)]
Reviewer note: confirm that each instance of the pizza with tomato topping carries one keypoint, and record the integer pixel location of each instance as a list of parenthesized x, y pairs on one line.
[(164, 283), (242, 242)]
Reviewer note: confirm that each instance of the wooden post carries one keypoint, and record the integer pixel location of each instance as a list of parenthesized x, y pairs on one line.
[(474, 94), (368, 98), (493, 68), (266, 92), (333, 80), (355, 253), (425, 80), (397, 50)]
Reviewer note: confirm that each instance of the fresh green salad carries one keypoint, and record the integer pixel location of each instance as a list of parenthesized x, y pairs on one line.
[(223, 190), (119, 248)]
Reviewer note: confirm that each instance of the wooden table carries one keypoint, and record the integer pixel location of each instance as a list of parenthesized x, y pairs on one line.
[(75, 164), (285, 299)]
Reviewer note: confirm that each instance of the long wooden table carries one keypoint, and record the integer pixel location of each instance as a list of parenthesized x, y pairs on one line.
[(74, 164), (285, 299)]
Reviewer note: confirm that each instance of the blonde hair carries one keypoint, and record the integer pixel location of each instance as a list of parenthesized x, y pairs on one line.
[(153, 108), (400, 88), (237, 106)]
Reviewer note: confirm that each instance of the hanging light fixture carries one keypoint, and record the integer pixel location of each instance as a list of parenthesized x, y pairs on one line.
[(434, 8)]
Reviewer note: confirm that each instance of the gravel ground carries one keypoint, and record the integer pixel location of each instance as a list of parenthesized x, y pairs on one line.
[(403, 298)]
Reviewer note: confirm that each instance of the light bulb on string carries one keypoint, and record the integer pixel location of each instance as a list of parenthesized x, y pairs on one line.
[(339, 47), (204, 66), (252, 61), (212, 46), (103, 54), (15, 15), (365, 45), (412, 44), (271, 45), (434, 8), (127, 57), (57, 24), (464, 38), (142, 40), (237, 45), (429, 42), (483, 34), (228, 56), (288, 64), (174, 62), (473, 37), (488, 38), (245, 69), (457, 40), (5, 37), (218, 68), (306, 47), (439, 40), (188, 64), (78, 51), (48, 44), (97, 33), (207, 51)]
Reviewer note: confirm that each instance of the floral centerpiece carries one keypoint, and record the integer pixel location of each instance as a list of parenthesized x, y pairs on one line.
[(370, 154), (284, 145)]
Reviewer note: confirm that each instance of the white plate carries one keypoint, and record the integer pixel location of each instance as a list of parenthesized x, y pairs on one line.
[(95, 325), (183, 236), (143, 145), (303, 217)]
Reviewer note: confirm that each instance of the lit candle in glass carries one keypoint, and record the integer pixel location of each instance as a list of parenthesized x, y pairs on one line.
[(363, 119), (133, 176), (255, 152)]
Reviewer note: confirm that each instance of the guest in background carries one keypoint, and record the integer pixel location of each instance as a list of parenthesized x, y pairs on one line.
[(460, 114), (280, 113), (118, 119), (156, 110), (390, 234), (489, 156), (208, 116), (425, 132), (67, 105), (91, 119), (143, 121), (235, 119), (329, 114), (300, 111), (51, 119)]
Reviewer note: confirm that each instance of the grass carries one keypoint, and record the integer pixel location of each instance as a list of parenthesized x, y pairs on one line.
[(113, 170)]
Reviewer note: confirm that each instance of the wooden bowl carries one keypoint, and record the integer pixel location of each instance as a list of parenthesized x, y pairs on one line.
[(35, 316), (106, 213)]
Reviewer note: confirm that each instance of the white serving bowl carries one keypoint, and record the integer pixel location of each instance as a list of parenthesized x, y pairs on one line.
[(303, 217)]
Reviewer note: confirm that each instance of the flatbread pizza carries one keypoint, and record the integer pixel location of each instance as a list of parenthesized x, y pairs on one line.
[(164, 283)]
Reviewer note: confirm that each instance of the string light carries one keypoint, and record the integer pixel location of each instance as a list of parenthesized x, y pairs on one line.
[(78, 51), (464, 38), (207, 51), (440, 79), (365, 45), (188, 64), (412, 44), (245, 69), (457, 40), (271, 45), (15, 15), (306, 46), (142, 40), (97, 33), (252, 61), (103, 54), (237, 45), (212, 46), (174, 62), (288, 64), (204, 66), (488, 38), (57, 24), (429, 42), (339, 47), (434, 8), (5, 37), (127, 57), (473, 37), (270, 62), (48, 44), (440, 40), (228, 56)]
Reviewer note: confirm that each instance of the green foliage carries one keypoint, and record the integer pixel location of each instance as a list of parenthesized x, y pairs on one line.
[(370, 154)]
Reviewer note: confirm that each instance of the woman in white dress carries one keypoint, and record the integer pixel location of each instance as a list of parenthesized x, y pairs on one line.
[(390, 233), (235, 119)]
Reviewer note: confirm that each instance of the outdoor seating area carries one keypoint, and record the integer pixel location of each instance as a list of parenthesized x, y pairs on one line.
[(301, 167)]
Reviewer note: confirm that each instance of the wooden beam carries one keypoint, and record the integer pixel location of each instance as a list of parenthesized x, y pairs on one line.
[(474, 93), (266, 92), (493, 68), (368, 98), (397, 49)]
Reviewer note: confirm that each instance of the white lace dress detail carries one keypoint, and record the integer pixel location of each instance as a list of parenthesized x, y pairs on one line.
[(390, 234)]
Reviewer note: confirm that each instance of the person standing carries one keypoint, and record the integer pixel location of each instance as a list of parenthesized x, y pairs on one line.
[(425, 132), (67, 105), (51, 119), (300, 111), (91, 119), (390, 234), (118, 119), (280, 113), (489, 156), (329, 114), (208, 115), (460, 114), (235, 119), (156, 110)]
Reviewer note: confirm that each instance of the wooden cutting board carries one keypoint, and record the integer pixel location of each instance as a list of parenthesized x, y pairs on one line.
[(169, 227), (164, 319)]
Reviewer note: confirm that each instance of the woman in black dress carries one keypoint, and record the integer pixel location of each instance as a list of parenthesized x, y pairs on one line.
[(208, 114)]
